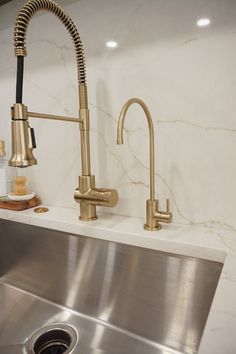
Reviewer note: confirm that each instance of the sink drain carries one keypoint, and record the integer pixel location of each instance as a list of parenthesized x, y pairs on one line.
[(54, 339)]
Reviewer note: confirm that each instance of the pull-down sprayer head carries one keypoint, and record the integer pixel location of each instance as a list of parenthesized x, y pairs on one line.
[(23, 140)]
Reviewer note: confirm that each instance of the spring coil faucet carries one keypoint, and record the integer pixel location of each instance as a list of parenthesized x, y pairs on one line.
[(23, 139)]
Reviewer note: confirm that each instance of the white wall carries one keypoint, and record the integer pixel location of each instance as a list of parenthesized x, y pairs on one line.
[(185, 74)]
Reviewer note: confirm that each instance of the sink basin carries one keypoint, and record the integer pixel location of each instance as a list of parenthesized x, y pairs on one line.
[(119, 298)]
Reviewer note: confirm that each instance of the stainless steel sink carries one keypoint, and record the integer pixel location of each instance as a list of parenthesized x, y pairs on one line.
[(119, 298)]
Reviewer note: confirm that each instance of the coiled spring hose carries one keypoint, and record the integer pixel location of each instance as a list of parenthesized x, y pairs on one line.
[(22, 22)]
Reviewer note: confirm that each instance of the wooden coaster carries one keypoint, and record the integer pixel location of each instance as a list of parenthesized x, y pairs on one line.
[(23, 205)]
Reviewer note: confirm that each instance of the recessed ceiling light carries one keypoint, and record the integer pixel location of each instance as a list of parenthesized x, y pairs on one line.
[(203, 22), (111, 44)]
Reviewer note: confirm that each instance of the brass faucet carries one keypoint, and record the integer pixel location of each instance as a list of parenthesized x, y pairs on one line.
[(23, 140), (153, 215)]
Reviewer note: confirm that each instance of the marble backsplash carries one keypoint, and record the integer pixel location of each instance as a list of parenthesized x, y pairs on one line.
[(185, 74)]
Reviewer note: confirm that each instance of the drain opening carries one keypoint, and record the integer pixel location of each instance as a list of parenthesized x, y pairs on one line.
[(52, 342), (54, 339)]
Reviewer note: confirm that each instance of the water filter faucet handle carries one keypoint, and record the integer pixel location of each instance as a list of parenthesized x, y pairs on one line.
[(2, 148)]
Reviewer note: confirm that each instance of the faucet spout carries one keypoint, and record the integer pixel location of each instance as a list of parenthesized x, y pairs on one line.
[(120, 139), (153, 215)]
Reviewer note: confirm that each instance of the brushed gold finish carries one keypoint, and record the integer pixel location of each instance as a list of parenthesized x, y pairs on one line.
[(87, 210), (89, 197), (54, 117), (151, 137), (83, 96), (22, 151), (85, 143), (87, 194), (2, 148), (41, 210), (22, 52), (22, 145), (19, 111), (153, 215), (85, 152)]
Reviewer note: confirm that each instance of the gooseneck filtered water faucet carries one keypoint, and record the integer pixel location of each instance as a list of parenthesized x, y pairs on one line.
[(154, 216)]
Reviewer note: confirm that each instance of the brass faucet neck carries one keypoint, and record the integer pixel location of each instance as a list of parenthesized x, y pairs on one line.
[(120, 130)]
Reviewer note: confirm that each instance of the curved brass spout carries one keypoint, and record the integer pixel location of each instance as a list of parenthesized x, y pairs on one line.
[(154, 215), (151, 137)]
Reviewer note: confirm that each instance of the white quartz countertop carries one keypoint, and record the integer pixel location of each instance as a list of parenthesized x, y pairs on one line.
[(216, 244)]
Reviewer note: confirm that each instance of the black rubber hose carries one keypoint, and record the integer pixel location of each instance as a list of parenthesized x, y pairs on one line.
[(19, 79)]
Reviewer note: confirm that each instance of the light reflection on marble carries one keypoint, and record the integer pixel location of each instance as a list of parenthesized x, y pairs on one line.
[(185, 74)]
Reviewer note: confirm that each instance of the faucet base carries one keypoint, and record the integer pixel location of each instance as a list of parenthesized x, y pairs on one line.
[(88, 219), (89, 197), (154, 217), (152, 228), (87, 212)]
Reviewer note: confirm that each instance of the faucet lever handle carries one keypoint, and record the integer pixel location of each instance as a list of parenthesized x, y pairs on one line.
[(168, 205), (33, 140)]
